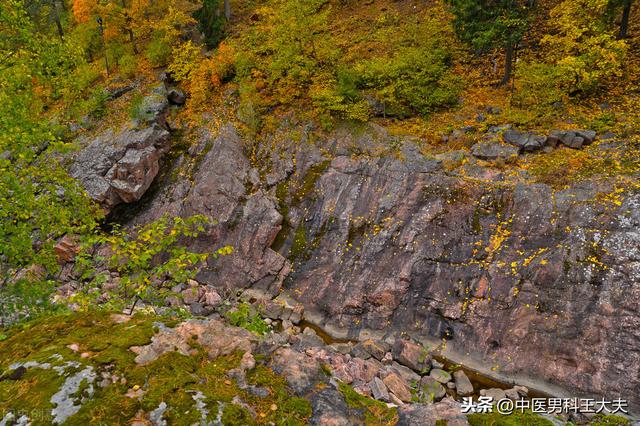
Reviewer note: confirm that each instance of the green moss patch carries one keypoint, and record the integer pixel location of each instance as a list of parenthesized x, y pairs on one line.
[(376, 413), (124, 391)]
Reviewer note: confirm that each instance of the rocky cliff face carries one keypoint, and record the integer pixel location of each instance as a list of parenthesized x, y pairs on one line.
[(375, 238)]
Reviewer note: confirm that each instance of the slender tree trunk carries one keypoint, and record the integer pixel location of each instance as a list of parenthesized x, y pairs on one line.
[(56, 17), (59, 26), (227, 9), (132, 40), (508, 64), (624, 23)]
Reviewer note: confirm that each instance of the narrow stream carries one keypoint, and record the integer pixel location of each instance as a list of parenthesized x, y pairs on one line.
[(478, 379)]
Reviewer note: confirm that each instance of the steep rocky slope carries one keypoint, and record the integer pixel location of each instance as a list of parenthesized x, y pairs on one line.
[(374, 238)]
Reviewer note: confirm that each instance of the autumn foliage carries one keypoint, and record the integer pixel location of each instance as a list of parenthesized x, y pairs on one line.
[(83, 10)]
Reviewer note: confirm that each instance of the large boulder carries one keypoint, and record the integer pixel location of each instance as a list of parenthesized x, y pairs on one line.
[(411, 354), (213, 336), (463, 384), (119, 168)]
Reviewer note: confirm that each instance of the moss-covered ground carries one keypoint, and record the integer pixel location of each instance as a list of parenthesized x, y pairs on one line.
[(376, 413), (134, 391)]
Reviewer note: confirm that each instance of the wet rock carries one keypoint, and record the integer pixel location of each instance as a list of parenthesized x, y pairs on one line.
[(512, 394), (447, 410), (431, 389), (119, 169), (493, 150), (414, 232), (522, 390), (398, 387), (411, 354), (463, 384), (307, 339)]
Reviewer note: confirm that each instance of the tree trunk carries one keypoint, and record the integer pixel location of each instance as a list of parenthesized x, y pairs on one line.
[(624, 23), (56, 18), (59, 26), (508, 64), (227, 9), (132, 40)]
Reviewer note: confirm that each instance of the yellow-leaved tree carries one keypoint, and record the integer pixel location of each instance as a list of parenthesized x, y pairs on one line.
[(83, 10), (584, 47)]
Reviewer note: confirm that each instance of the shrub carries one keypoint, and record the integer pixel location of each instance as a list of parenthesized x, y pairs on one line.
[(150, 259), (242, 316), (26, 299), (128, 65), (540, 84), (158, 51), (415, 78), (184, 59), (340, 97)]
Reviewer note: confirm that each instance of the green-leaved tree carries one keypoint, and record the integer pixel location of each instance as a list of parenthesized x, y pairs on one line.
[(485, 24)]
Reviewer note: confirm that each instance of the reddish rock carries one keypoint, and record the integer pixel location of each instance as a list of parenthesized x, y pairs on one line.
[(67, 249), (399, 387), (411, 354)]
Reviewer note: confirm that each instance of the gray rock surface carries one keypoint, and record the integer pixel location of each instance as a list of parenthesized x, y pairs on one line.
[(120, 168), (493, 150), (572, 138), (526, 141), (463, 384), (431, 389)]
